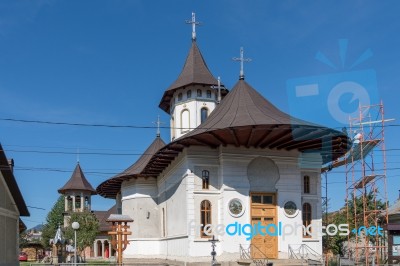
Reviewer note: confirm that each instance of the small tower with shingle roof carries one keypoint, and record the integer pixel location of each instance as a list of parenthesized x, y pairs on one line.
[(77, 193), (191, 98)]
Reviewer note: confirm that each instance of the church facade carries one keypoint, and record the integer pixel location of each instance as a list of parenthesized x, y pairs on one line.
[(238, 169)]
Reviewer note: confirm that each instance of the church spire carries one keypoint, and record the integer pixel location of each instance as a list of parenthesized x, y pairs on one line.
[(77, 182), (189, 100), (242, 60), (194, 23)]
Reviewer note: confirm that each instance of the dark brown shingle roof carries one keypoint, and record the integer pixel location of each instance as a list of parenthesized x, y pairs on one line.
[(102, 217), (246, 118), (195, 71), (244, 106), (12, 185), (77, 181), (112, 186)]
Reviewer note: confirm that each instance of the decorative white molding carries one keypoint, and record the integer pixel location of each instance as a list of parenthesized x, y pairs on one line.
[(207, 192)]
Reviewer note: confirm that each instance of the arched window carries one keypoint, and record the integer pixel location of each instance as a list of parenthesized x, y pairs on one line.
[(205, 176), (185, 121), (99, 249), (205, 216), (306, 219), (77, 202), (180, 97), (204, 114), (69, 203), (87, 207), (208, 94), (199, 93), (306, 184), (106, 249), (189, 94)]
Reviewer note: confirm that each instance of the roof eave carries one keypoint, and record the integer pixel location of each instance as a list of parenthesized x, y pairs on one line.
[(12, 185)]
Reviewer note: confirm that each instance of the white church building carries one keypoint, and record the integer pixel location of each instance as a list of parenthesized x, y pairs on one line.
[(238, 169)]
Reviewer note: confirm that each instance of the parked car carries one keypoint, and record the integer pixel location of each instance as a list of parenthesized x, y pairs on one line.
[(23, 256)]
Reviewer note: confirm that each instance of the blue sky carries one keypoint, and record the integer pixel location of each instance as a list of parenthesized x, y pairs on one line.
[(109, 62)]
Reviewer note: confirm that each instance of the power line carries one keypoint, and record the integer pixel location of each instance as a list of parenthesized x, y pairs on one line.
[(124, 154), (116, 126), (38, 208), (81, 153), (44, 169), (60, 147)]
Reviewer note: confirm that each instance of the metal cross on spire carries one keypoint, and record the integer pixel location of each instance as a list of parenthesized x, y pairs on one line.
[(158, 123), (194, 23), (242, 60), (219, 90)]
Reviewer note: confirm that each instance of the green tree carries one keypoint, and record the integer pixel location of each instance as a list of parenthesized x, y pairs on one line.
[(335, 244), (361, 212), (53, 219), (88, 229)]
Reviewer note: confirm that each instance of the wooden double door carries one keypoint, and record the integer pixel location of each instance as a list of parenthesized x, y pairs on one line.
[(263, 211)]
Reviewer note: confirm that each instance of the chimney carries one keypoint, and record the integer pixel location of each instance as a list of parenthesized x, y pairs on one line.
[(11, 164)]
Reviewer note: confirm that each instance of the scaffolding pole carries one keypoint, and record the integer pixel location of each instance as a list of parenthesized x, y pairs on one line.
[(366, 192)]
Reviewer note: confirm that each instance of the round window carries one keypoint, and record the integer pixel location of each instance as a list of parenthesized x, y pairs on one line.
[(290, 209), (236, 208)]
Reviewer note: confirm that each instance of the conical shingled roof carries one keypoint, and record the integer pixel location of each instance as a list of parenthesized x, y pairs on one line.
[(244, 106), (112, 186), (246, 118), (77, 181), (195, 71)]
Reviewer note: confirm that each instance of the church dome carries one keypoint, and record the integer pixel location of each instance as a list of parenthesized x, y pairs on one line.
[(246, 118)]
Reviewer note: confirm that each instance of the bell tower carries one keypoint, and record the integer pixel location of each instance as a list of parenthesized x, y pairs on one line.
[(77, 194), (194, 94)]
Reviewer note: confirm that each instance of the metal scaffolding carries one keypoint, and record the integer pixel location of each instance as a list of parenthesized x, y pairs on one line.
[(366, 193)]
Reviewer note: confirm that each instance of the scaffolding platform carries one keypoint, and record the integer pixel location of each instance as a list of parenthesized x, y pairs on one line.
[(365, 181), (357, 152)]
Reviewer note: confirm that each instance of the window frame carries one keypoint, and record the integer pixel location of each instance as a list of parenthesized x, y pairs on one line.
[(78, 202), (201, 114), (205, 179), (205, 216), (185, 129), (306, 218), (306, 184)]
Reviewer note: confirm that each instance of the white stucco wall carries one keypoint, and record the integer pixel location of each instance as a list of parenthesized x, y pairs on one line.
[(193, 105), (139, 201), (178, 191)]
